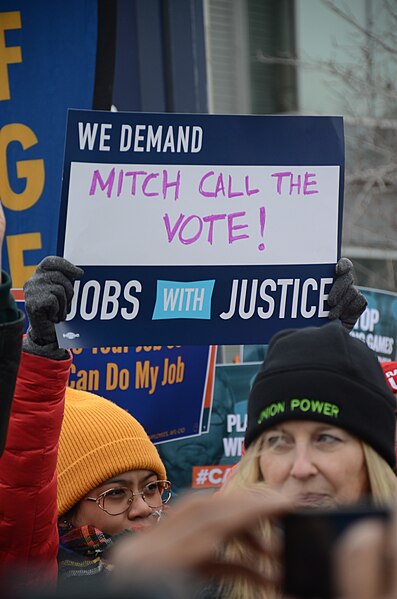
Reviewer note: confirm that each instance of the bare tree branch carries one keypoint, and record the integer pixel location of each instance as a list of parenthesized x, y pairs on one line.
[(347, 16)]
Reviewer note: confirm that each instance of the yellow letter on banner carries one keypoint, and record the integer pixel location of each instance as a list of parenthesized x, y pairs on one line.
[(16, 245), (8, 55), (32, 170)]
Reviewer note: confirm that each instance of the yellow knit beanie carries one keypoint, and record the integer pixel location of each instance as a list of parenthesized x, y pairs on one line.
[(98, 441)]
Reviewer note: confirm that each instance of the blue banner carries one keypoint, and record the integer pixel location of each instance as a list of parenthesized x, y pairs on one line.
[(47, 65)]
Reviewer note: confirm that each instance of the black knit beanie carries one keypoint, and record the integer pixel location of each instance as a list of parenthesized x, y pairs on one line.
[(324, 374)]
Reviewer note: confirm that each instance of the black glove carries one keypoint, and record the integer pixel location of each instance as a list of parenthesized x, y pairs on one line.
[(48, 294), (345, 300)]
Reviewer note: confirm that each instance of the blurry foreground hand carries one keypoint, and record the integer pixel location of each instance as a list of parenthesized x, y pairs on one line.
[(366, 561), (185, 543)]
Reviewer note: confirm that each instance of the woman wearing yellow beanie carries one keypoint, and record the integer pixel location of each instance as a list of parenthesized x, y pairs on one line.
[(99, 442), (110, 480)]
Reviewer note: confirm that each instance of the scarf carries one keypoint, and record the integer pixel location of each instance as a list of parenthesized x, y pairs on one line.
[(86, 540), (80, 551)]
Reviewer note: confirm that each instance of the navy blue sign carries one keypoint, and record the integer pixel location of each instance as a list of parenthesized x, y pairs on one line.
[(168, 389), (199, 229)]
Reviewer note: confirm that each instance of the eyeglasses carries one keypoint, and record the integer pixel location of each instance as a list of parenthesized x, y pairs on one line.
[(118, 500)]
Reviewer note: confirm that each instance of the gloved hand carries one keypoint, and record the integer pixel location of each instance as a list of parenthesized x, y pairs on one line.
[(345, 300), (48, 294)]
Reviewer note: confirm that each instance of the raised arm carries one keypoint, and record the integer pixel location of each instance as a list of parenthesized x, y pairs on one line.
[(28, 500), (11, 328)]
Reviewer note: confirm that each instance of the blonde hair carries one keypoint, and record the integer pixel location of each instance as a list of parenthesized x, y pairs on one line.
[(382, 479), (383, 488), (247, 475)]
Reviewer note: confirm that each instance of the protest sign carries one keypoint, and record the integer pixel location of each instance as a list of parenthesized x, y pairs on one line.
[(204, 462), (377, 326), (199, 228), (168, 389)]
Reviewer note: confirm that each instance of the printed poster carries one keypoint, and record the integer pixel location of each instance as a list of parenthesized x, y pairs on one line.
[(167, 389), (377, 326), (204, 462), (199, 229)]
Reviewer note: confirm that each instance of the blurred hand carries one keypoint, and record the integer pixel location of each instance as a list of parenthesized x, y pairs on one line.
[(187, 540), (366, 561)]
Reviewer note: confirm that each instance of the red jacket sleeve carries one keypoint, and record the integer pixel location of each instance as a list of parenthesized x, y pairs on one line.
[(28, 491)]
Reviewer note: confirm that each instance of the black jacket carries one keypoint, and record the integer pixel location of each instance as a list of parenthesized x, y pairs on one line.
[(11, 329)]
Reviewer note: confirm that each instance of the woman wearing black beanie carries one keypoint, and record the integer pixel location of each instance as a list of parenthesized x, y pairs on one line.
[(321, 430)]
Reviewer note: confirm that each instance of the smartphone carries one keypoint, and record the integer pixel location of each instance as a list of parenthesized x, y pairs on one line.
[(309, 538)]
